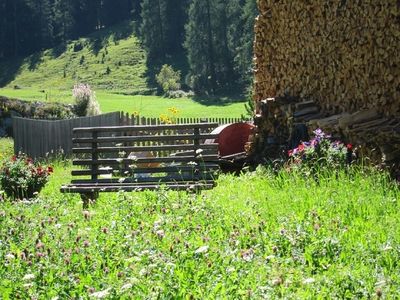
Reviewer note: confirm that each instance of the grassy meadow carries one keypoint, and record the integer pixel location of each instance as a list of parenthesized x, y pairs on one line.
[(261, 235), (115, 65), (147, 106)]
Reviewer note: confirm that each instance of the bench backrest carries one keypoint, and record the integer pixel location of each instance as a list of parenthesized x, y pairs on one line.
[(154, 153)]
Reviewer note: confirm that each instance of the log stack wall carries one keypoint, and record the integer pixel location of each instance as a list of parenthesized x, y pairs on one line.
[(333, 59)]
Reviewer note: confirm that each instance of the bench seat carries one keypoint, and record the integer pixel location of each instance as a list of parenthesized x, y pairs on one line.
[(182, 157)]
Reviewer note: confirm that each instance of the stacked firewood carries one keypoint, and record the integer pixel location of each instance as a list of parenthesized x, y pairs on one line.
[(344, 57), (374, 135)]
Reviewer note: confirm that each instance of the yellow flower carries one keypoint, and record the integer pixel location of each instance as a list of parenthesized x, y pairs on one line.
[(135, 113), (173, 110)]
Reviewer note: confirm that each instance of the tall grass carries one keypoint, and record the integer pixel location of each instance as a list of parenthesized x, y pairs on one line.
[(259, 235)]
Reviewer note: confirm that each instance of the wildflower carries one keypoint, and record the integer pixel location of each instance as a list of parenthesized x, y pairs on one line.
[(86, 214), (201, 250), (10, 256), (199, 151), (160, 233), (349, 147), (101, 294), (247, 255), (126, 286), (308, 280), (28, 277), (301, 147)]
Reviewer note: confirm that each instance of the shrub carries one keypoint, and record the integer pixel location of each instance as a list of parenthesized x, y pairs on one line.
[(21, 178), (169, 79), (85, 101), (321, 153)]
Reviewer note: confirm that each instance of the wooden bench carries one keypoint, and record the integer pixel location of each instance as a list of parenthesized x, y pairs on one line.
[(135, 158)]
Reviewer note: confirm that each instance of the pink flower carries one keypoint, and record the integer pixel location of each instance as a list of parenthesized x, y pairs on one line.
[(301, 147)]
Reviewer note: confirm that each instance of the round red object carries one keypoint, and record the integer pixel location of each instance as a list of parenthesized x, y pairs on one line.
[(232, 137)]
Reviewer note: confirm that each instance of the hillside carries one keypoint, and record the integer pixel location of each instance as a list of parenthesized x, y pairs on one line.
[(111, 59)]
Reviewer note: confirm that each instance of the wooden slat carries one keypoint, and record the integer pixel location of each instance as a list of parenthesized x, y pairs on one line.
[(154, 138), (144, 127), (155, 180), (154, 148), (89, 162), (169, 169), (139, 187)]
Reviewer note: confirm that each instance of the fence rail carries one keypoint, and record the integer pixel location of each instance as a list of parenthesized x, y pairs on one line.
[(38, 138)]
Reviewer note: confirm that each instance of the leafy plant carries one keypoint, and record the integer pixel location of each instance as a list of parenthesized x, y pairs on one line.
[(169, 79), (21, 177), (320, 153)]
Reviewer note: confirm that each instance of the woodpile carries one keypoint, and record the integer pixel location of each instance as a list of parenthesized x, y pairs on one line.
[(343, 57)]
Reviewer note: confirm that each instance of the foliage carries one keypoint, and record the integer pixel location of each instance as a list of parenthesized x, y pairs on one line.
[(321, 153), (6, 148), (85, 101), (169, 79), (53, 111), (21, 177), (259, 236)]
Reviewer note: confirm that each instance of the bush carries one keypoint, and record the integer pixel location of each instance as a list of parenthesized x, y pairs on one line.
[(85, 101), (21, 178), (169, 79)]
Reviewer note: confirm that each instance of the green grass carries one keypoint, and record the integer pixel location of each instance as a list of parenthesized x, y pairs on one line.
[(260, 235), (6, 148), (50, 75), (148, 106), (84, 60)]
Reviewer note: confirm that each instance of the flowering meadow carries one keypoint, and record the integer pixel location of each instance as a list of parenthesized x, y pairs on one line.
[(262, 235)]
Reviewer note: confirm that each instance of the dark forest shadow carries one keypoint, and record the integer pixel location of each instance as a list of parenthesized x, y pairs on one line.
[(34, 60), (9, 69)]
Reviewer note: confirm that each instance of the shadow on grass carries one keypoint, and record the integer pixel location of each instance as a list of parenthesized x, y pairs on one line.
[(219, 100), (34, 60), (9, 70)]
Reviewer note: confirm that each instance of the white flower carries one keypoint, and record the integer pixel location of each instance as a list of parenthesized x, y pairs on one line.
[(199, 151), (308, 280), (192, 163), (29, 277), (202, 249), (121, 180), (10, 256), (126, 287), (101, 294)]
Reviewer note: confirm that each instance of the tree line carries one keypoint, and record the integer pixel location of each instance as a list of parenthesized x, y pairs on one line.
[(215, 36)]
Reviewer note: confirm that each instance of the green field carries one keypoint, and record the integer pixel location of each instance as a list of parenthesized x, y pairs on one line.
[(261, 235), (148, 106), (50, 76)]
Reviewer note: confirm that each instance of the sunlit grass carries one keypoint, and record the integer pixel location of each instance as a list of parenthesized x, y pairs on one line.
[(147, 106), (260, 235)]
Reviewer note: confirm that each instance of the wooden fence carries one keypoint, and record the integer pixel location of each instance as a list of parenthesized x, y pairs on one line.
[(39, 138), (127, 119)]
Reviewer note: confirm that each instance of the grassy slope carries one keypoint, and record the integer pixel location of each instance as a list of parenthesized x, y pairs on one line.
[(59, 69), (41, 77), (256, 236)]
